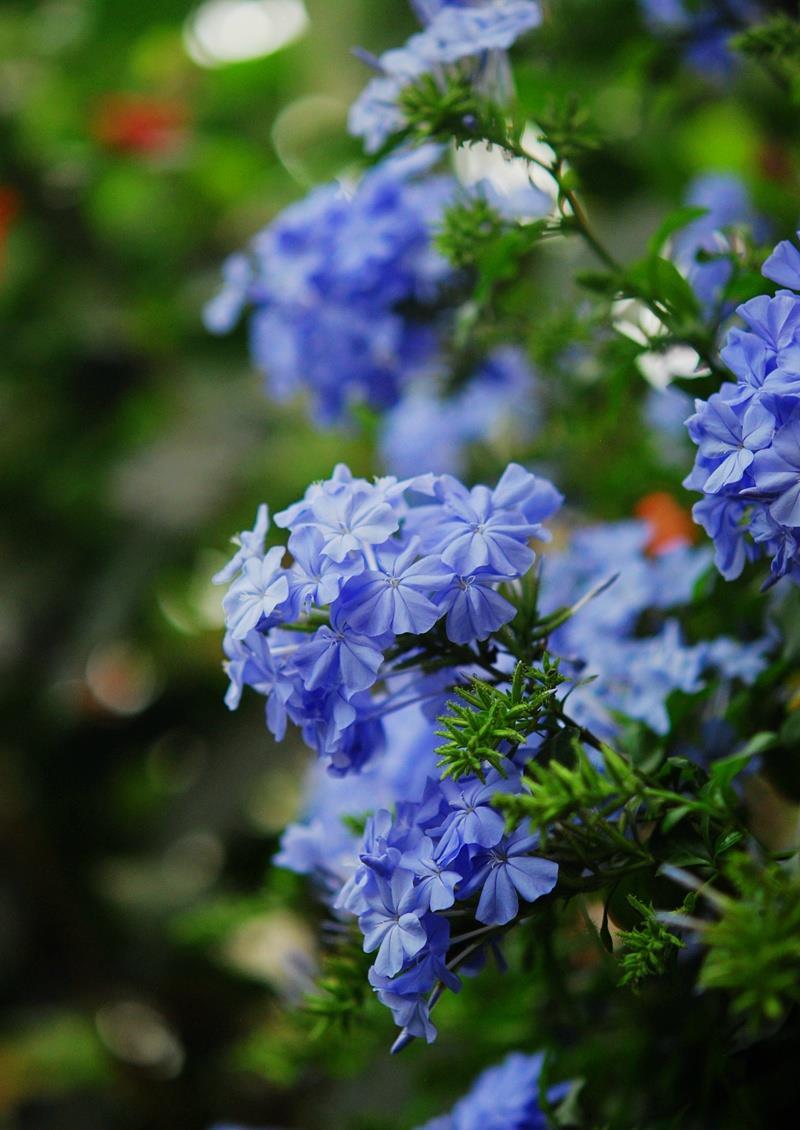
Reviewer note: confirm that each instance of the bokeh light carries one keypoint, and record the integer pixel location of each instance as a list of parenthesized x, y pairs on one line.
[(232, 31)]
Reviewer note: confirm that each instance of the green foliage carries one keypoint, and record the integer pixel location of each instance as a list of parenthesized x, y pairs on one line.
[(341, 987), (165, 442), (607, 818), (444, 111), (775, 44), (488, 723), (754, 946), (467, 230), (568, 127), (474, 236), (648, 950), (776, 40), (559, 792)]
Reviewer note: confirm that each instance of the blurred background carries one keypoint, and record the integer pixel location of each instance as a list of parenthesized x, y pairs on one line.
[(147, 953)]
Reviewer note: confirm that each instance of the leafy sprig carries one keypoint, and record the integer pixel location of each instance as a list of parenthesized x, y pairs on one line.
[(648, 950), (488, 724), (754, 944), (341, 989)]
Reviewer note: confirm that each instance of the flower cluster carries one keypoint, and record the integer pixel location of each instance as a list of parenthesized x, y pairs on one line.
[(351, 302), (631, 674), (343, 288), (433, 851), (748, 434), (467, 37), (343, 636), (433, 430), (448, 848), (505, 1097)]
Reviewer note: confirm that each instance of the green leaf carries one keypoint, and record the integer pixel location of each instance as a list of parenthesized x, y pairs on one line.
[(658, 280), (723, 772), (674, 817), (599, 282), (674, 222), (726, 841)]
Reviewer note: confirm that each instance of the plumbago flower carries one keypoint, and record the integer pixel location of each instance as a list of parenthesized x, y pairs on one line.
[(447, 849), (343, 288), (728, 206), (464, 37), (410, 572), (351, 302), (748, 434), (392, 590), (505, 1097), (437, 875), (622, 672)]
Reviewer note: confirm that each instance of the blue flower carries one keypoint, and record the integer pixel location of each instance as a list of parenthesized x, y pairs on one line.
[(507, 872), (437, 881), (497, 405), (537, 499), (470, 820), (474, 607), (728, 436), (392, 925), (642, 674), (783, 265), (776, 471), (505, 1097), (256, 593), (633, 674), (348, 519), (321, 843), (475, 533), (776, 321), (344, 287), (725, 521), (339, 658), (251, 544), (315, 579), (480, 33), (251, 663), (395, 597), (319, 639), (406, 995)]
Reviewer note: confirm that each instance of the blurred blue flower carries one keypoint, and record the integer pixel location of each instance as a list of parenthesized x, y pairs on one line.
[(472, 36), (632, 674), (498, 404), (729, 206), (703, 27), (342, 288), (505, 1097)]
